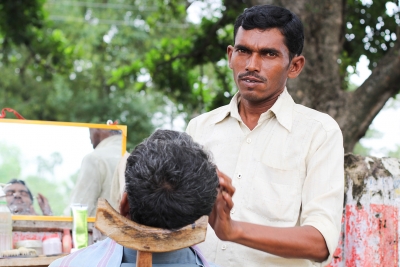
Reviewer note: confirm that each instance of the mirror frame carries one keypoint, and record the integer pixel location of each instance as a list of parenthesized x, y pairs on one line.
[(122, 128)]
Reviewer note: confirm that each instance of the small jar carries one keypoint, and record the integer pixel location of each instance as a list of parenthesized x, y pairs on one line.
[(52, 245)]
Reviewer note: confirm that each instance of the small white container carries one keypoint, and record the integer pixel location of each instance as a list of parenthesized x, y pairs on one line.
[(52, 245)]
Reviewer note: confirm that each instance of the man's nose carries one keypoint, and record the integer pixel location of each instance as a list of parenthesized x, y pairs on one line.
[(253, 63), (17, 194)]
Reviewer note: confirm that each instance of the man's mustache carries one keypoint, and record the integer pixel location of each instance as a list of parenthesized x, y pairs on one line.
[(252, 73)]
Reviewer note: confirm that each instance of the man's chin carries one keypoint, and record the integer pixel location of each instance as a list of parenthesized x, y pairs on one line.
[(19, 209), (251, 96)]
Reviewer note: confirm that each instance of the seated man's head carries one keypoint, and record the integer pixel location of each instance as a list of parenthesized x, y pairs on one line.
[(170, 181), (19, 197)]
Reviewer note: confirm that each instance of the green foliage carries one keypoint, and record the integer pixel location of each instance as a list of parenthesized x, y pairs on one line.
[(369, 31), (21, 19), (395, 153), (126, 59), (65, 71), (187, 64), (53, 190), (23, 24), (359, 149), (10, 157)]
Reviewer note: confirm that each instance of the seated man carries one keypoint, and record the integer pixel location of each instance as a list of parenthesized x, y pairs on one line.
[(170, 183), (20, 199)]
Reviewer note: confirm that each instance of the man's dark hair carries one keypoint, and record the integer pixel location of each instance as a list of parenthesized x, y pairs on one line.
[(115, 132), (265, 17), (16, 181), (170, 181)]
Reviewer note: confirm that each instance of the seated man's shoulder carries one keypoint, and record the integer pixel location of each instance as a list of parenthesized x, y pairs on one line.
[(106, 251)]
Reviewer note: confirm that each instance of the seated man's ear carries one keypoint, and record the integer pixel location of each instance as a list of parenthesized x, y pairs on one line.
[(124, 206)]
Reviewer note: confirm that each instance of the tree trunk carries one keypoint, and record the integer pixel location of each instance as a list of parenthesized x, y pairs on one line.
[(320, 85), (370, 224)]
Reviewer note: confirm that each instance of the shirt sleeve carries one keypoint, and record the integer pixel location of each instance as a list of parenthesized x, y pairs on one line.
[(89, 183), (323, 189), (191, 128), (118, 182)]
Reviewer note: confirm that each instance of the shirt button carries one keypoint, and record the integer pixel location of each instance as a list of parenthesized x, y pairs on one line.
[(239, 176), (248, 140), (223, 247), (233, 211)]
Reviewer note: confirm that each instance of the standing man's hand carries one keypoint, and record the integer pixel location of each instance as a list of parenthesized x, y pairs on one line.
[(44, 205), (220, 217)]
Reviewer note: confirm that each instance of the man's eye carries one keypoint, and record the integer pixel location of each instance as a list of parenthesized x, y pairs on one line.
[(242, 51)]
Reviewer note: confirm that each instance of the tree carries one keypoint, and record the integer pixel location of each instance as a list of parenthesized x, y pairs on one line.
[(60, 70), (335, 37), (337, 33), (187, 61)]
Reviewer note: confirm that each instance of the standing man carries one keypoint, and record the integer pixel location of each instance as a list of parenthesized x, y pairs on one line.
[(97, 169), (285, 160)]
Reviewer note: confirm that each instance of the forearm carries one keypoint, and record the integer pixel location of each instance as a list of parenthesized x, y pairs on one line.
[(304, 242)]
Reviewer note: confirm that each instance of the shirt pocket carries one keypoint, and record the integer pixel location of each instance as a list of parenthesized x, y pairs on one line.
[(274, 194)]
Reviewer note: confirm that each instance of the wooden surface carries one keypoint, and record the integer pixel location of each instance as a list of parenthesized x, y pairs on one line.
[(144, 259), (44, 226), (143, 238), (32, 262)]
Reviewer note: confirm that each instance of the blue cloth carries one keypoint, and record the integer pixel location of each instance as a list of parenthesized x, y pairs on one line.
[(108, 253), (186, 257)]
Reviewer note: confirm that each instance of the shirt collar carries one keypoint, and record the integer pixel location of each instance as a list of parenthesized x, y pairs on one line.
[(282, 109), (113, 139)]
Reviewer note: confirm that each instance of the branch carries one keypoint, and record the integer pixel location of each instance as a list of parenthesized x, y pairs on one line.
[(38, 61), (371, 96), (205, 41)]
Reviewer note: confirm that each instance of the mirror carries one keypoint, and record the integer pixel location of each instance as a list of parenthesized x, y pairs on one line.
[(47, 156)]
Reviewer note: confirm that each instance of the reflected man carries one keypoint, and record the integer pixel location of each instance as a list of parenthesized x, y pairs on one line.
[(20, 199), (94, 178)]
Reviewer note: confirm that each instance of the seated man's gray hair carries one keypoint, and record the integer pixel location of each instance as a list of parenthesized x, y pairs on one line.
[(170, 181)]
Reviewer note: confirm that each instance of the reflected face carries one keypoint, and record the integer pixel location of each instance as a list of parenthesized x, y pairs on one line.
[(18, 199), (260, 63)]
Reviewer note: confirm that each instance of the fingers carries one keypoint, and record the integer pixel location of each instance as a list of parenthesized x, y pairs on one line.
[(43, 198), (226, 183), (223, 205), (39, 200), (228, 200), (44, 204)]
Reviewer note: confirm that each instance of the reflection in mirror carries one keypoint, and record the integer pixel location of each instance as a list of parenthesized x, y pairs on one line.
[(42, 160)]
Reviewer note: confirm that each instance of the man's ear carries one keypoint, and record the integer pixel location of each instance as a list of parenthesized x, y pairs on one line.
[(229, 51), (124, 206), (296, 66)]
